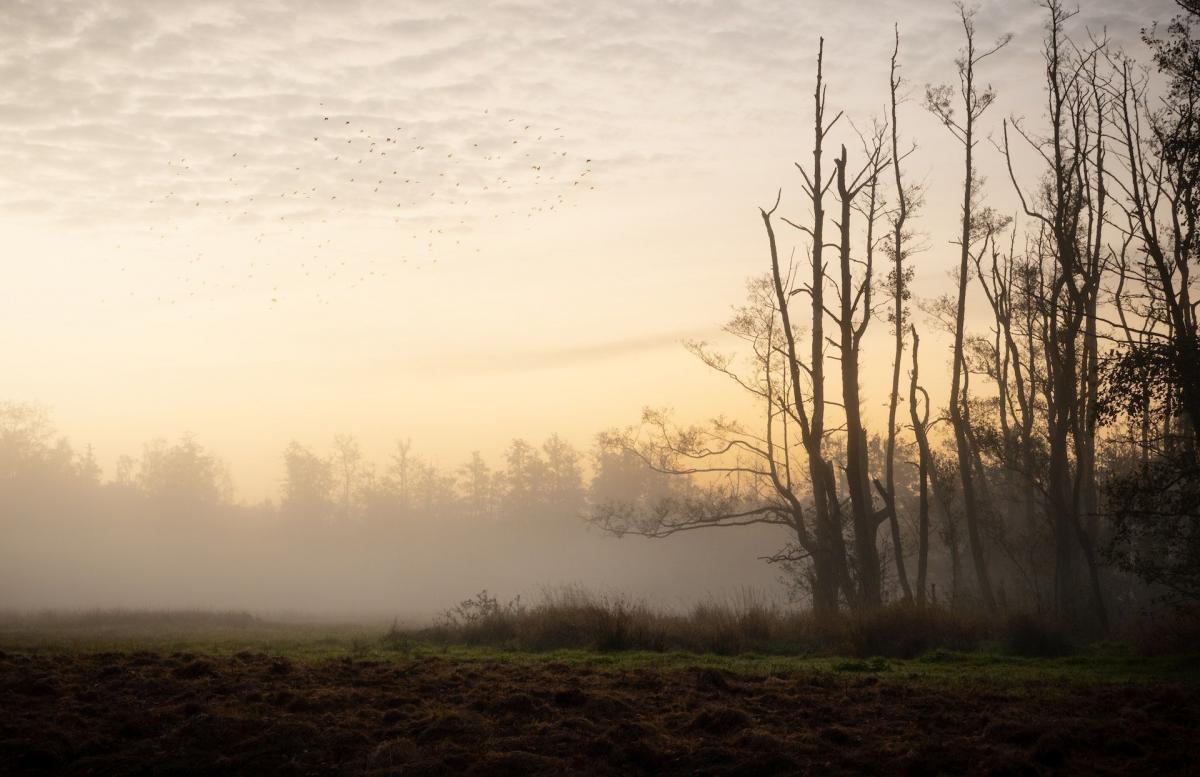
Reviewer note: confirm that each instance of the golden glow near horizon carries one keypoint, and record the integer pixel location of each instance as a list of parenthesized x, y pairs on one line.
[(449, 222)]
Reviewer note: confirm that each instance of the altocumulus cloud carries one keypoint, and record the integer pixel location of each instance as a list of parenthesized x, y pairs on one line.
[(114, 107)]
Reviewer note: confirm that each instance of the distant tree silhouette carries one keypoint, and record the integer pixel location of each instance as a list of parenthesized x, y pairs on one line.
[(183, 474), (478, 485), (399, 476), (307, 486), (349, 473), (563, 479)]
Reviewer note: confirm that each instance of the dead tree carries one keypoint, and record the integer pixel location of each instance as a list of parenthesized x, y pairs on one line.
[(830, 563), (975, 102), (1011, 286), (899, 279), (1160, 181), (723, 474), (852, 317), (1072, 214), (920, 426)]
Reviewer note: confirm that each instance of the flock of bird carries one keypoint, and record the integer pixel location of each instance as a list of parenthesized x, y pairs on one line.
[(305, 201)]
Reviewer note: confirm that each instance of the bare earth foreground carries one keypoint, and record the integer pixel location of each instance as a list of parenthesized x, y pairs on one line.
[(181, 713)]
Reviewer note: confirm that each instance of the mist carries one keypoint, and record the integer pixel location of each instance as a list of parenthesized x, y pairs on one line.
[(344, 537)]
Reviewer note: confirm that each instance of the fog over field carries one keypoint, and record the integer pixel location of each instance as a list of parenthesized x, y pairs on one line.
[(72, 543), (361, 309)]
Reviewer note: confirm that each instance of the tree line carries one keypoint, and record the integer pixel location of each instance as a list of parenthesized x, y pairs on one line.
[(183, 480)]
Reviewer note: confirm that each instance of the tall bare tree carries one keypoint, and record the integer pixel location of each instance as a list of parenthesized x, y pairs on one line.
[(722, 473), (899, 279), (1071, 210), (852, 317), (975, 101), (920, 426), (830, 561)]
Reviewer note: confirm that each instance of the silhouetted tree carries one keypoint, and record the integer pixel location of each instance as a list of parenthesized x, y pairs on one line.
[(1071, 209), (183, 475), (975, 101), (478, 486), (348, 471), (308, 485), (1153, 380), (899, 277)]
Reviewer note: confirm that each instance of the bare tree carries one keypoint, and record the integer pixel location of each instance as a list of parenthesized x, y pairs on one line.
[(794, 423), (829, 562), (852, 319), (1072, 213), (1153, 378), (723, 474), (920, 426), (899, 279), (975, 102), (1161, 207)]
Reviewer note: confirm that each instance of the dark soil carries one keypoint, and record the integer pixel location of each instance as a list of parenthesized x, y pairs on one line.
[(253, 714)]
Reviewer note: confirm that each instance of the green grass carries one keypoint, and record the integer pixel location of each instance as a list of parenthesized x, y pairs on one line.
[(1100, 665), (222, 635)]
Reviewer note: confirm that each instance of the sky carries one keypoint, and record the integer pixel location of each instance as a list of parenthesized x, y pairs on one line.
[(454, 222)]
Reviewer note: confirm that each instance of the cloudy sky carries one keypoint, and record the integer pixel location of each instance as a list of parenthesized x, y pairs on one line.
[(458, 222)]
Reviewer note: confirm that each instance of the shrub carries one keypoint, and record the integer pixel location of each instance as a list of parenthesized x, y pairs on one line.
[(572, 617), (483, 620), (905, 630)]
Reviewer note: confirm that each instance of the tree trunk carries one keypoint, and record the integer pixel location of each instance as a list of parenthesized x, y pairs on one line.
[(898, 294), (923, 463), (857, 477)]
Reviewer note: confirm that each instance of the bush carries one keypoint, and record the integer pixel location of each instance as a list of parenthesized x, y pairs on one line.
[(483, 620), (906, 631), (573, 618)]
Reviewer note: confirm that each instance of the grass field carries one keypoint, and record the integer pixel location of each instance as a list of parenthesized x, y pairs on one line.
[(193, 692), (222, 634)]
